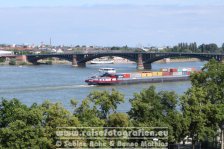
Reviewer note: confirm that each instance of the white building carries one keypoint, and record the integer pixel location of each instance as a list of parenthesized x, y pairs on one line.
[(6, 52)]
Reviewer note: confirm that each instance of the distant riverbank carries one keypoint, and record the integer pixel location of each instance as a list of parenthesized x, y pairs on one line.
[(116, 61), (176, 60)]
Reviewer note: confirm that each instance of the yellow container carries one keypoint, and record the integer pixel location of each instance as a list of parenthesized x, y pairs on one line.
[(144, 75), (159, 73), (149, 74), (154, 73)]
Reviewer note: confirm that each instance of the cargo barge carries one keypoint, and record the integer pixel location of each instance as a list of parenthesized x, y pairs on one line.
[(165, 75)]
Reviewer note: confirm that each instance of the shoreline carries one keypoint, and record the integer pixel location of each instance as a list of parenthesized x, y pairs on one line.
[(120, 61)]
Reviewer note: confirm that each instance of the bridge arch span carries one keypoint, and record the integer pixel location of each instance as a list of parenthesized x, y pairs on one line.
[(201, 57), (35, 59), (92, 57)]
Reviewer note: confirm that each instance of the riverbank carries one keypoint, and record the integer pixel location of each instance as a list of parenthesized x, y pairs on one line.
[(116, 61), (178, 60)]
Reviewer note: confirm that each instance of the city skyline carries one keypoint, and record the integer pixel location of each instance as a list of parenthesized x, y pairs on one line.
[(112, 23)]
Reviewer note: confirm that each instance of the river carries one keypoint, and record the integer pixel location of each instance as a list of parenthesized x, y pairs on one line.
[(61, 83)]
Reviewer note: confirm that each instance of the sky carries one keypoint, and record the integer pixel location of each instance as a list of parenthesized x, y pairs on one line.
[(112, 22)]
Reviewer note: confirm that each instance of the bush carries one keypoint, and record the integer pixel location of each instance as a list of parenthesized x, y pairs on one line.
[(12, 62), (2, 60)]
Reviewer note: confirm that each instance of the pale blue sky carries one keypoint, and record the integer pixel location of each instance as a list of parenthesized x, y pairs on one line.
[(112, 22)]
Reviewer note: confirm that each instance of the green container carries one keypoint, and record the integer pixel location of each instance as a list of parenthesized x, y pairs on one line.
[(179, 69)]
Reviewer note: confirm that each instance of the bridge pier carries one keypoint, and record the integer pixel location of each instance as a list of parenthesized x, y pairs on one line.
[(21, 58), (147, 66), (140, 62), (74, 61)]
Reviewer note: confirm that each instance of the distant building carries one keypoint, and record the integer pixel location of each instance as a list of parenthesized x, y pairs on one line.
[(59, 51), (6, 53)]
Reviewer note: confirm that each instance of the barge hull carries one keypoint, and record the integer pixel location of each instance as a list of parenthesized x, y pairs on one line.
[(143, 80)]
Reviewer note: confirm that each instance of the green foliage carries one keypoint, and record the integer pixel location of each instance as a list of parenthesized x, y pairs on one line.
[(56, 116), (118, 120), (193, 48), (223, 47), (211, 79), (208, 48), (12, 61), (20, 126), (94, 110), (88, 115), (152, 109), (23, 52), (195, 108), (2, 60), (206, 98), (105, 101), (22, 63), (146, 108)]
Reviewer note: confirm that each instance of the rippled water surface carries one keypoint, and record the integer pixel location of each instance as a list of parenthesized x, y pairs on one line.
[(62, 82)]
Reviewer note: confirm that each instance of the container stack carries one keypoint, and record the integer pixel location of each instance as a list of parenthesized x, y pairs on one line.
[(146, 74), (162, 72), (136, 75), (123, 75), (177, 71)]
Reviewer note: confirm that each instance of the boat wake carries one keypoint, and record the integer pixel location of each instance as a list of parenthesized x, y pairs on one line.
[(42, 88)]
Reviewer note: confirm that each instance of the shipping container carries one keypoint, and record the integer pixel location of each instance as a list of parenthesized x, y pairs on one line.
[(166, 73), (144, 75), (160, 73), (136, 75), (184, 72), (149, 74), (179, 70), (173, 69), (184, 69), (126, 75), (119, 75), (164, 69), (176, 73), (154, 74), (189, 69)]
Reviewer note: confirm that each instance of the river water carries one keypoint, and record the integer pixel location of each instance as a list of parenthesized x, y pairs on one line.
[(61, 83)]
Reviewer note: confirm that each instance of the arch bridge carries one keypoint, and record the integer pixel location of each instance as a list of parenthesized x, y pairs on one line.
[(143, 59)]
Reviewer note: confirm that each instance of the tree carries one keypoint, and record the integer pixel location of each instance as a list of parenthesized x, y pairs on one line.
[(152, 109), (99, 110), (118, 120), (195, 108), (55, 115), (21, 126), (88, 115), (211, 48), (146, 108), (172, 116), (2, 60), (12, 61), (95, 109), (115, 48), (105, 101), (223, 47), (207, 92)]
